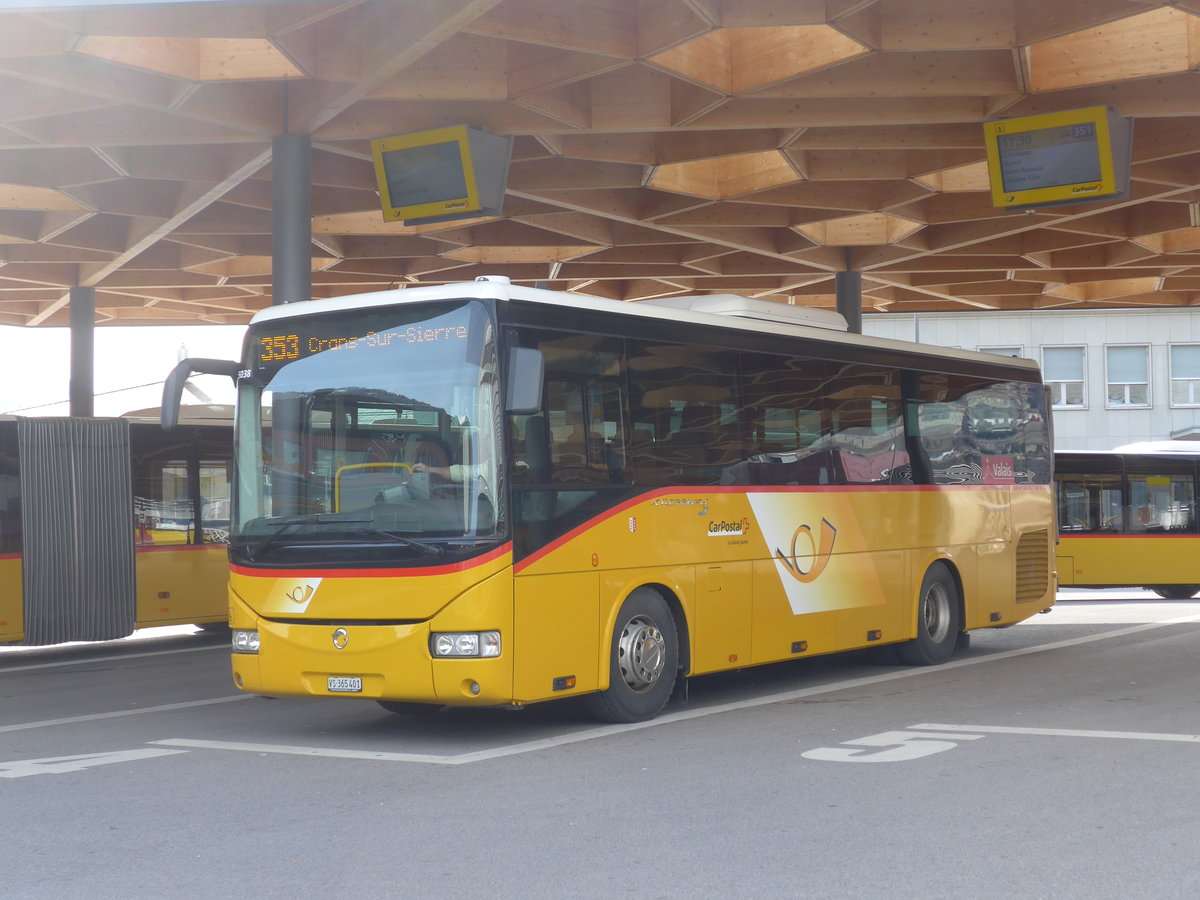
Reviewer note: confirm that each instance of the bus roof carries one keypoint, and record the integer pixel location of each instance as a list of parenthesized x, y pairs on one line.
[(1159, 447), (747, 315), (189, 414)]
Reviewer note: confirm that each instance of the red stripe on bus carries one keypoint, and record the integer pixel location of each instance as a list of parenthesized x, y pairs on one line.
[(1154, 536), (453, 568), (164, 548)]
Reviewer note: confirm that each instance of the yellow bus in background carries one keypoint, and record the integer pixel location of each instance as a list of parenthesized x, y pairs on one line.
[(109, 524), (484, 494), (1127, 518)]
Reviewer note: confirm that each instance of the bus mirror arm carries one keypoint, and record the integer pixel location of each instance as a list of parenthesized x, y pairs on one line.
[(526, 368), (185, 369)]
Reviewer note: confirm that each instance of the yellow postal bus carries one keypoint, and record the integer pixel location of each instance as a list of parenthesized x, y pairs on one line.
[(1127, 518), (108, 524), (484, 494)]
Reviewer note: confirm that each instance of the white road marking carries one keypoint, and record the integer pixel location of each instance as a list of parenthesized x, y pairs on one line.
[(1066, 732), (62, 765), (927, 738), (92, 660), (118, 714), (898, 746), (377, 755), (671, 718)]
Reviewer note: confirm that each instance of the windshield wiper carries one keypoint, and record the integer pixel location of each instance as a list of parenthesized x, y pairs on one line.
[(427, 549), (284, 527)]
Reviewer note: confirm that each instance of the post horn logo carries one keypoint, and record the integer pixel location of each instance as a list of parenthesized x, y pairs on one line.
[(301, 595), (818, 551)]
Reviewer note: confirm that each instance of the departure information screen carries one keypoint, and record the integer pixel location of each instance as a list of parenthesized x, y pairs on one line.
[(1049, 157)]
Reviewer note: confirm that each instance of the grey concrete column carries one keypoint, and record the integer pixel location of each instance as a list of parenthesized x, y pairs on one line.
[(849, 298), (291, 218), (83, 344)]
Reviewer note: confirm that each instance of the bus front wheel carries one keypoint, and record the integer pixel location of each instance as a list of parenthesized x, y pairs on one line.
[(1176, 591), (939, 621), (643, 659)]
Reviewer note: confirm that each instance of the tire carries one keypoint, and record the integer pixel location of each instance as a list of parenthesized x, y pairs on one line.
[(1176, 591), (643, 661), (939, 621), (405, 708)]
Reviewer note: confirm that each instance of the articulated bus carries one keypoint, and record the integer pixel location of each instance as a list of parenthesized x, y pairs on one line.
[(1127, 518), (109, 524), (490, 495)]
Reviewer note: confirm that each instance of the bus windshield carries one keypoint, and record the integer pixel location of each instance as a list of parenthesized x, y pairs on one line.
[(376, 435)]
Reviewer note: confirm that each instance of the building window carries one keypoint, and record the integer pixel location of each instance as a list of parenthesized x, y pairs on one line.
[(1003, 351), (1128, 375), (1185, 375), (1062, 368)]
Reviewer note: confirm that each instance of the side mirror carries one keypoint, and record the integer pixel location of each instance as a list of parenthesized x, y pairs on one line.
[(173, 386), (526, 368)]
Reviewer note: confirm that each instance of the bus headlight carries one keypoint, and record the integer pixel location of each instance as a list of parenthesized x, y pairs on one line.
[(245, 641), (464, 644)]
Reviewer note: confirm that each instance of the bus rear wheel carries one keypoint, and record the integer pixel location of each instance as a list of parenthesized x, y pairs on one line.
[(1176, 591), (939, 621), (643, 659)]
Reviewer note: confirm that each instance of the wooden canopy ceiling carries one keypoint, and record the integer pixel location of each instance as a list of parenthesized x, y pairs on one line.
[(662, 147)]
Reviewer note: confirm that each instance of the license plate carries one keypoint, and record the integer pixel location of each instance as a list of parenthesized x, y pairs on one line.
[(342, 684)]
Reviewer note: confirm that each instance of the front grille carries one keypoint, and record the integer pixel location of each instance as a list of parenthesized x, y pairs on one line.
[(1033, 566)]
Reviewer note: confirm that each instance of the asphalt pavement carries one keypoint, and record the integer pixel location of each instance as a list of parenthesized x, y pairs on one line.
[(1052, 759)]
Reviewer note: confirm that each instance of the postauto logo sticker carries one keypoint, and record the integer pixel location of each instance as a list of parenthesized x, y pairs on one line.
[(725, 528), (816, 555), (801, 537), (289, 596)]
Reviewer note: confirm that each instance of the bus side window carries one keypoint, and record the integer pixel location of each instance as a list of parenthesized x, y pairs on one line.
[(687, 396), (1089, 504), (1162, 503), (166, 508), (536, 445), (214, 500), (867, 432), (576, 446), (10, 492), (1072, 507), (979, 431)]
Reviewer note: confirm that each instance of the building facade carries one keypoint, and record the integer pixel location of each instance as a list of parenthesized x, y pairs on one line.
[(1115, 376)]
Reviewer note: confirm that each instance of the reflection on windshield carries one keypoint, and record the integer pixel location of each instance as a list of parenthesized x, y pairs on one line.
[(366, 437)]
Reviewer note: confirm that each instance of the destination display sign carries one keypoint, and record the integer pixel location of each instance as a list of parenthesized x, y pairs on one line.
[(1050, 157), (1054, 159), (441, 174), (274, 348), (403, 335)]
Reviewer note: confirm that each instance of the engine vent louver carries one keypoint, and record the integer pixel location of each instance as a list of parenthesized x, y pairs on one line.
[(1033, 566)]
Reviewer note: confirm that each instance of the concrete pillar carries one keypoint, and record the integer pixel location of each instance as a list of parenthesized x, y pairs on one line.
[(291, 218), (83, 343), (849, 298)]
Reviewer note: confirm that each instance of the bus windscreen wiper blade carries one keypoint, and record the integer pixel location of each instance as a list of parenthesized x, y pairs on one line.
[(426, 549), (284, 527)]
